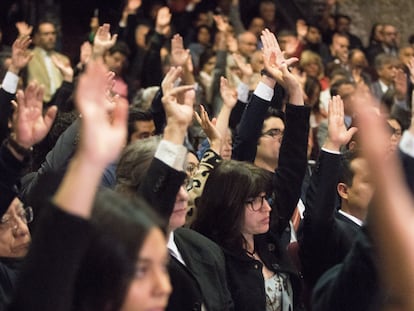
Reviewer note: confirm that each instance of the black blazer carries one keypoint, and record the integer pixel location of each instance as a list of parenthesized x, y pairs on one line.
[(326, 236), (204, 272)]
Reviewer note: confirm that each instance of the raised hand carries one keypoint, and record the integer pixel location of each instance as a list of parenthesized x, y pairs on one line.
[(102, 136), (338, 134), (24, 29), (64, 67), (178, 105), (245, 67), (410, 66), (21, 55), (213, 134), (228, 93), (85, 52), (29, 124), (103, 40), (221, 23), (179, 55)]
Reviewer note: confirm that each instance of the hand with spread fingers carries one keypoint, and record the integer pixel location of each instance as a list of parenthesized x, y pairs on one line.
[(338, 134), (209, 127), (103, 40), (21, 55), (30, 126)]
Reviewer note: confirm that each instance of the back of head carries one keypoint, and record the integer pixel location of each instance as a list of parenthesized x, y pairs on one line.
[(120, 229), (221, 207), (134, 163), (337, 84), (346, 174)]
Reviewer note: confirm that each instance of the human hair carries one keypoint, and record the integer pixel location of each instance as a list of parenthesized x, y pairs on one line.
[(221, 207), (339, 16), (120, 227), (312, 85), (42, 22), (384, 59), (120, 47), (205, 57), (134, 115), (346, 174), (337, 84), (308, 57), (372, 38), (274, 113), (134, 163)]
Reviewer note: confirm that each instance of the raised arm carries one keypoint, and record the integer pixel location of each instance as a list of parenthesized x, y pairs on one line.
[(50, 264)]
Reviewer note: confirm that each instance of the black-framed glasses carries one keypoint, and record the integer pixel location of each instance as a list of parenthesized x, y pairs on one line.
[(256, 203), (25, 214), (274, 133)]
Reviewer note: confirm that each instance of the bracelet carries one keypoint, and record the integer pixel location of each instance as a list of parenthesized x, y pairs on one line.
[(264, 72), (19, 149)]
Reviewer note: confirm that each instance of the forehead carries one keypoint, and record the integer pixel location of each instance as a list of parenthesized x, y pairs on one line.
[(15, 206), (144, 125), (359, 166), (273, 123), (345, 90), (46, 27)]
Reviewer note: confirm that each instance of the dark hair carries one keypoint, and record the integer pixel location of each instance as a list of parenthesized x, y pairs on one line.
[(311, 84), (221, 206), (335, 86), (120, 227), (274, 113), (205, 57), (41, 22), (134, 163), (339, 16), (134, 115), (120, 47), (346, 174), (372, 33)]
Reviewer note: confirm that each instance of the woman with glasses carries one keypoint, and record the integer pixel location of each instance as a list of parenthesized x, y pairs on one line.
[(245, 209)]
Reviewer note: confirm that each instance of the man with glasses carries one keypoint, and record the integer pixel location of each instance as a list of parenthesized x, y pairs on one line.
[(389, 44)]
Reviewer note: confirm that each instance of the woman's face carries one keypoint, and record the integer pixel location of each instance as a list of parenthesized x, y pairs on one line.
[(256, 215), (150, 287), (14, 233), (203, 36)]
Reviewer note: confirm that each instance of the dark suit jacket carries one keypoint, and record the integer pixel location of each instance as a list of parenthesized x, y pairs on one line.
[(204, 259), (326, 236), (5, 112)]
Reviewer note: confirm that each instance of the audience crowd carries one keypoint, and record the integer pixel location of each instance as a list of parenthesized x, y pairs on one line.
[(187, 159)]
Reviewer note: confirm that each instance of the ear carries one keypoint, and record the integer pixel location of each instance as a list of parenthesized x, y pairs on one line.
[(353, 145), (342, 190)]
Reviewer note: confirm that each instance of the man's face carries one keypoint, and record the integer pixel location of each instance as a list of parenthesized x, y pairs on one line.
[(256, 26), (390, 34), (406, 54), (247, 44), (313, 35), (14, 233), (340, 47), (143, 129), (267, 11), (387, 73), (343, 25), (46, 36), (359, 194), (115, 62), (270, 141)]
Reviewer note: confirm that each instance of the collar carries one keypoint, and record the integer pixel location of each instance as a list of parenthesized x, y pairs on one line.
[(173, 249), (358, 221)]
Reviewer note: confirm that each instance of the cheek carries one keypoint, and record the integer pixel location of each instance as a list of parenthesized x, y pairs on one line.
[(136, 297), (5, 244)]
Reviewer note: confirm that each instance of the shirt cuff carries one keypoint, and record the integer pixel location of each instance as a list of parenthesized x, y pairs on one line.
[(407, 143), (243, 92), (171, 154), (264, 92), (10, 82), (330, 151)]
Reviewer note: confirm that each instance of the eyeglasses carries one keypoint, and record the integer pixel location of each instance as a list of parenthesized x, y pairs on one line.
[(9, 222), (274, 133), (256, 203)]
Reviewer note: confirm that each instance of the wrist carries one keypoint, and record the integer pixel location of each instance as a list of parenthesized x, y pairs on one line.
[(175, 133), (14, 69), (20, 152)]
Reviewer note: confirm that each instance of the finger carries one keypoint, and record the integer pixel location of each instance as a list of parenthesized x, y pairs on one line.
[(40, 90), (180, 89), (189, 96), (197, 117), (291, 60), (120, 115), (50, 116)]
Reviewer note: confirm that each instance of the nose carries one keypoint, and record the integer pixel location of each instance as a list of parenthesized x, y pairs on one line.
[(162, 284), (266, 206), (182, 194), (19, 227)]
